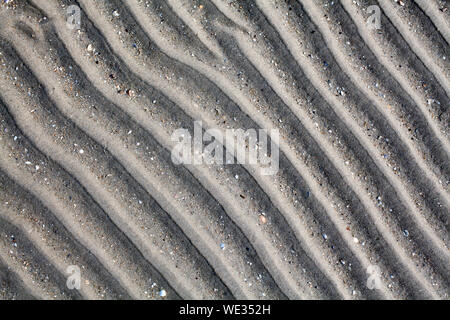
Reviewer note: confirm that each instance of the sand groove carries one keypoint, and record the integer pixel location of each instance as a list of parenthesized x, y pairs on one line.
[(86, 176)]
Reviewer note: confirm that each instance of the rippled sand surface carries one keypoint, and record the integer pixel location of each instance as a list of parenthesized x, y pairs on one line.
[(87, 179)]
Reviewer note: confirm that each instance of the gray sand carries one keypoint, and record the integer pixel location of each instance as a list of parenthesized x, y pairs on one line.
[(87, 180)]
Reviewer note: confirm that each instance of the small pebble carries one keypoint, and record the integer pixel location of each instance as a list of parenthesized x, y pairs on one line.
[(162, 293), (262, 219)]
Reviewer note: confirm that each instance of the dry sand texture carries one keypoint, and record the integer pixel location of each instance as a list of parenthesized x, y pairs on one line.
[(86, 177)]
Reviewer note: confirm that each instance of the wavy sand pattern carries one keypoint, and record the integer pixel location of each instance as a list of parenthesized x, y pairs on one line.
[(86, 177)]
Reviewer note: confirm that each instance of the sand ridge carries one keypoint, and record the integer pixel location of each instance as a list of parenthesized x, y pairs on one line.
[(86, 121)]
